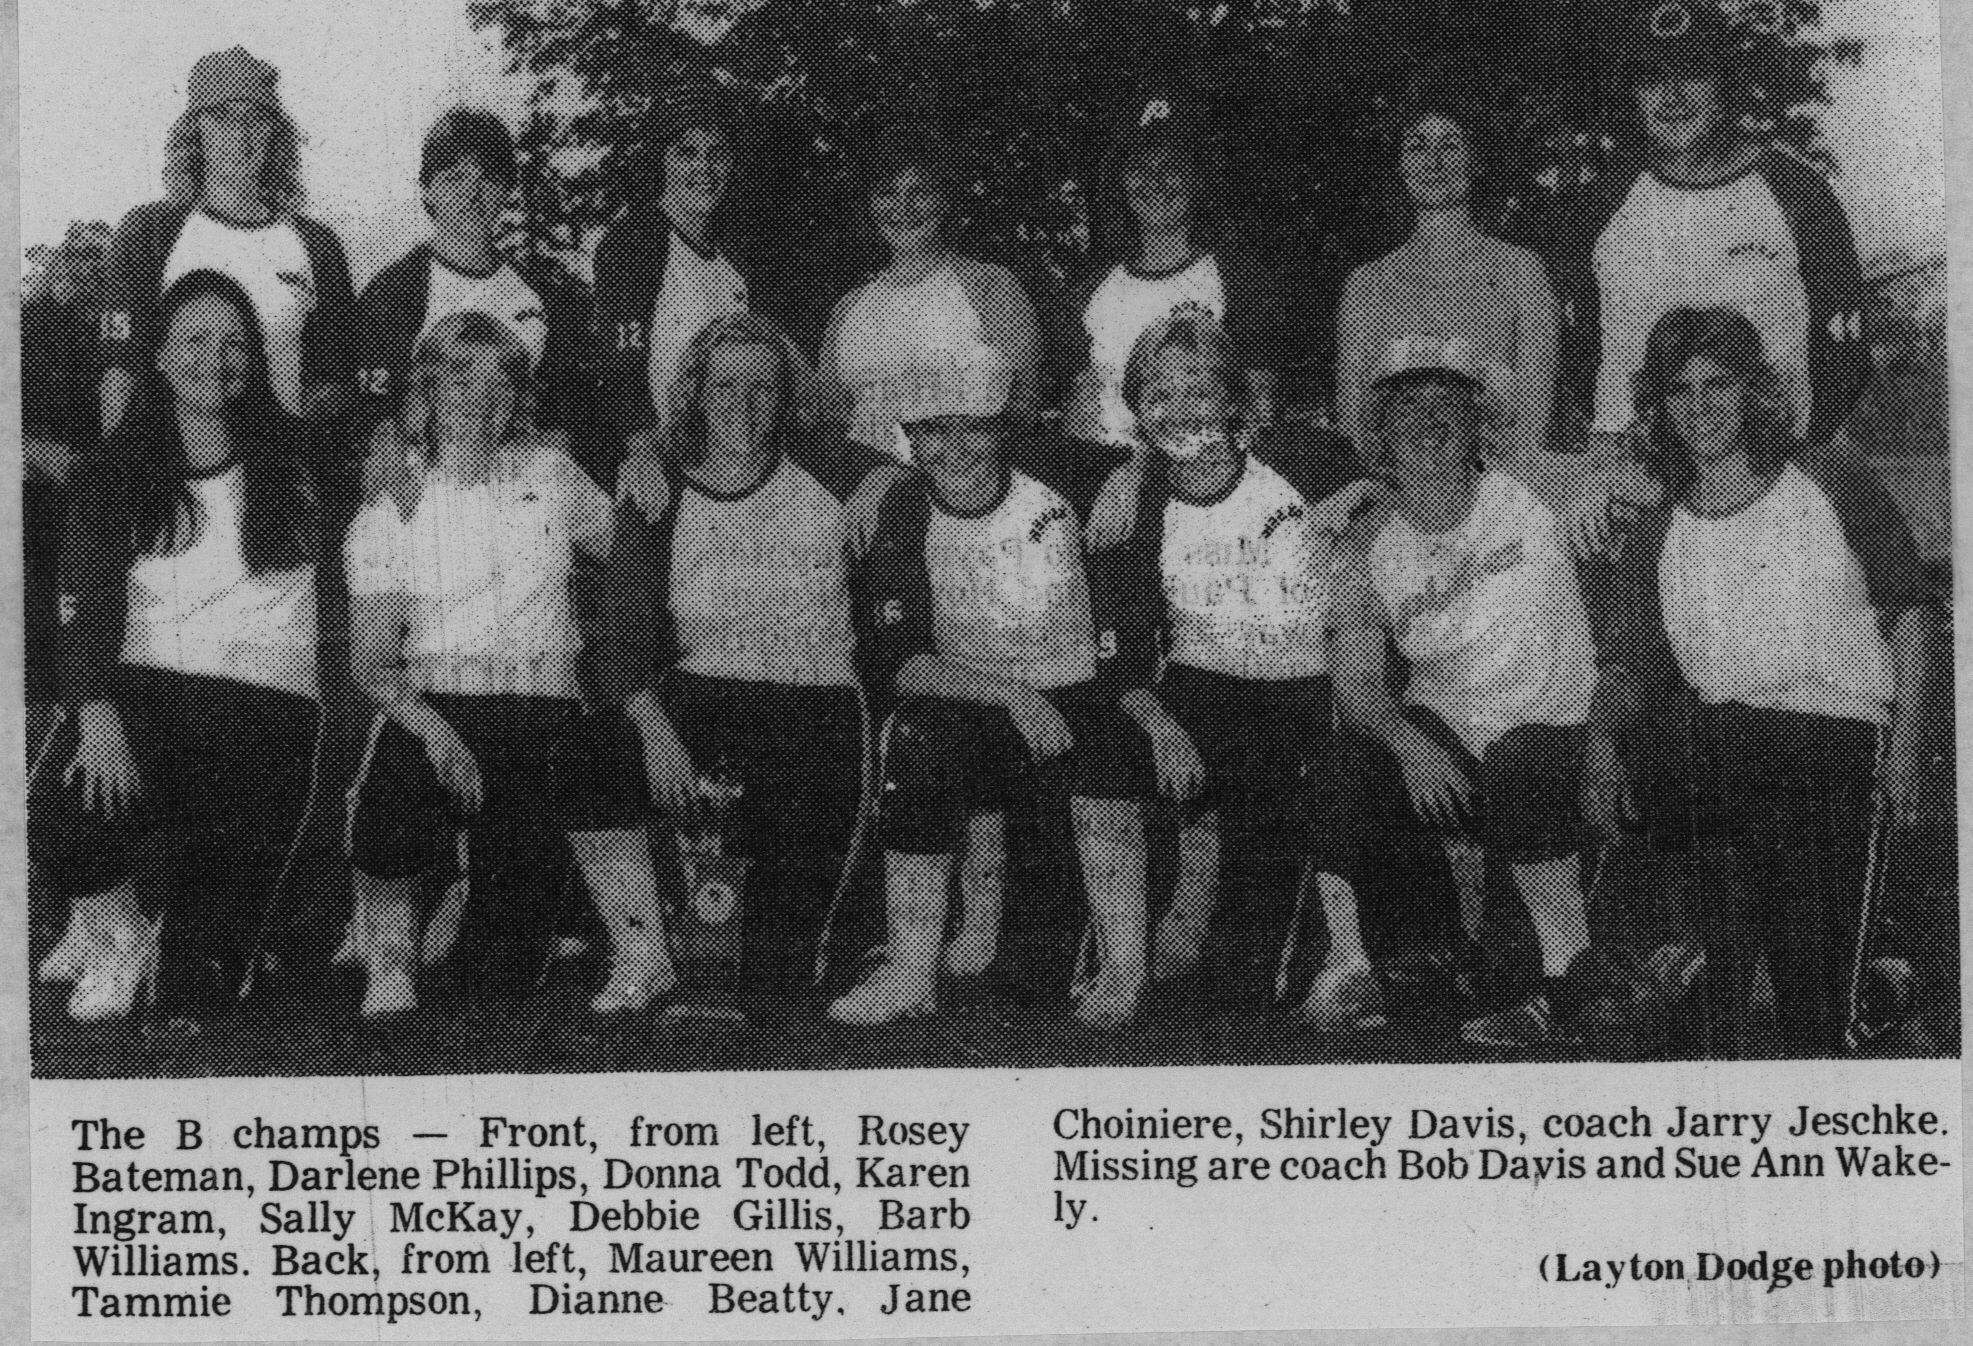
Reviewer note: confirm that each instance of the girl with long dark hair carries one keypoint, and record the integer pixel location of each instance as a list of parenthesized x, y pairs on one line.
[(189, 642)]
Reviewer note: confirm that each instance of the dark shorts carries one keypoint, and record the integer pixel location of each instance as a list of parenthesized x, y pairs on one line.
[(797, 755), (542, 760), (224, 770), (1526, 788), (1263, 744), (946, 759)]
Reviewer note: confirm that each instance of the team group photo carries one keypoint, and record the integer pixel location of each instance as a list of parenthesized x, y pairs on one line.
[(1032, 533)]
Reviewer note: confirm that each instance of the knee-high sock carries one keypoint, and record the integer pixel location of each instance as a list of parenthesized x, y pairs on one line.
[(1553, 892), (1110, 841)]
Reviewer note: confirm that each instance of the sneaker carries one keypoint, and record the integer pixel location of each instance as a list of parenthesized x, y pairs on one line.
[(70, 956), (1532, 1024), (640, 972), (885, 997), (1344, 998)]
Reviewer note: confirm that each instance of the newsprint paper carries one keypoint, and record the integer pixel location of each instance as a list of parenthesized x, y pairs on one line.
[(831, 669)]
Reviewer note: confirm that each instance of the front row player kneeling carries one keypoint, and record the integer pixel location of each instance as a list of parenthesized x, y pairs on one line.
[(462, 632), (1466, 573), (1230, 570), (979, 628)]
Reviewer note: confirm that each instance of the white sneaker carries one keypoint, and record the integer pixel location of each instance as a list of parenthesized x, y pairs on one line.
[(640, 972), (1110, 1001), (1345, 997), (886, 996), (123, 968), (66, 961)]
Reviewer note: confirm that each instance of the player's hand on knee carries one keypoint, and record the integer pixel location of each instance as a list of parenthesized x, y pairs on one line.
[(1041, 725), (104, 767), (1181, 771), (1440, 792), (674, 780), (1897, 778), (1609, 806), (453, 763), (1114, 516)]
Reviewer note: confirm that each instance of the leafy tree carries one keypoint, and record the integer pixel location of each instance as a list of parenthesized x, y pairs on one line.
[(1302, 93)]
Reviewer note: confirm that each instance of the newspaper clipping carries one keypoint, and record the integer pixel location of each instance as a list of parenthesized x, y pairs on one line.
[(810, 669)]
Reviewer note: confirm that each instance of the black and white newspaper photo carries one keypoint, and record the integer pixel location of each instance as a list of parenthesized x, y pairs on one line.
[(798, 670)]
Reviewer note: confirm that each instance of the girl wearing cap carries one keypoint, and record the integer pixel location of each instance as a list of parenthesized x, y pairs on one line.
[(1482, 749), (463, 634), (1714, 214), (977, 624), (1155, 220), (1233, 561), (1790, 591), (926, 306), (188, 649), (232, 188), (731, 647), (1451, 280)]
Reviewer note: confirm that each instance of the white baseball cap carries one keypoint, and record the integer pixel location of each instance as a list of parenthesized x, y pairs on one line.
[(975, 381), (1418, 357)]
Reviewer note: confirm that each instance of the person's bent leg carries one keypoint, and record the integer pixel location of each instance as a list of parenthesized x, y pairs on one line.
[(982, 895), (929, 775), (616, 865), (915, 895), (1181, 935), (1109, 835)]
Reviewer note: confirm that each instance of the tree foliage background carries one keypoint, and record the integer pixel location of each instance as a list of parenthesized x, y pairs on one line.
[(1301, 95)]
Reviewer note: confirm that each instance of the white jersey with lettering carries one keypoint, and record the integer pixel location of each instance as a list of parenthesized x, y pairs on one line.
[(501, 294), (759, 583), (1671, 246), (270, 263), (1489, 615), (1247, 577), (1009, 592)]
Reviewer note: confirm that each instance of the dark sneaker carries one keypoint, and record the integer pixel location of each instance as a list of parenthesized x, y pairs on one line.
[(1530, 1025), (1630, 1005)]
